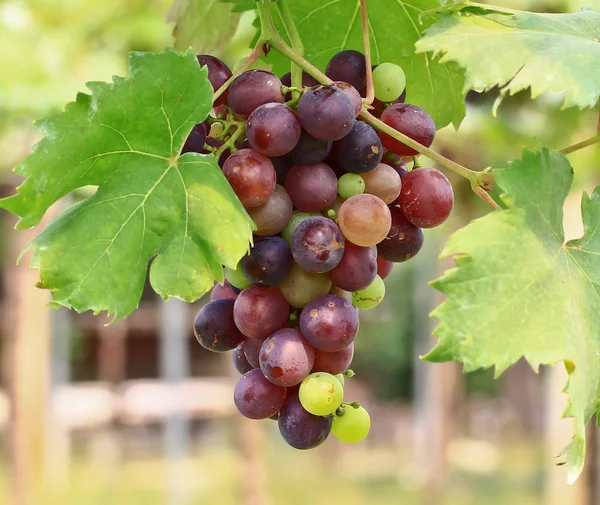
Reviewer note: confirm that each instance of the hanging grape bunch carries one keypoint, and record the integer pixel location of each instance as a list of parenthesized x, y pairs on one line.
[(334, 207)]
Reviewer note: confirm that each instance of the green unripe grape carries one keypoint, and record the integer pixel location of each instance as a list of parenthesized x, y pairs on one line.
[(236, 277), (371, 296), (389, 81), (340, 377), (321, 394), (353, 426), (350, 185), (297, 218)]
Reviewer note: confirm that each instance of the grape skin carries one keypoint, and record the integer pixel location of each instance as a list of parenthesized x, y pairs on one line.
[(403, 241), (349, 66), (309, 150), (329, 323), (321, 394), (300, 429), (359, 151), (352, 94), (312, 188), (286, 358), (326, 113), (195, 141), (259, 311), (350, 185), (252, 177), (257, 398), (237, 278), (252, 89), (269, 261), (300, 286), (240, 362), (357, 269), (272, 217), (353, 426), (297, 217), (215, 328), (365, 220), (218, 74), (273, 129), (384, 267), (426, 198), (384, 182), (371, 296), (411, 120), (389, 81), (317, 245), (225, 290), (251, 347), (333, 362)]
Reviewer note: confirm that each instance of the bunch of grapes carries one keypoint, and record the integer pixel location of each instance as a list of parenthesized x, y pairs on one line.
[(335, 207)]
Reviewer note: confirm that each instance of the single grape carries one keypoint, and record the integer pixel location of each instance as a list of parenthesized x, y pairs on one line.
[(353, 426), (225, 290), (350, 185), (286, 358), (240, 362), (237, 278), (300, 429), (411, 120), (389, 81), (340, 377), (371, 296), (272, 216), (257, 398), (351, 93), (273, 129), (317, 245), (215, 328), (308, 81), (252, 177), (326, 113), (329, 323), (251, 348), (403, 241), (218, 74), (252, 89), (260, 311), (312, 188), (426, 198), (269, 262), (359, 151), (195, 141), (357, 269), (300, 286), (282, 166), (321, 394), (384, 267), (384, 182), (333, 362), (297, 217), (365, 220), (309, 150), (396, 162), (349, 66)]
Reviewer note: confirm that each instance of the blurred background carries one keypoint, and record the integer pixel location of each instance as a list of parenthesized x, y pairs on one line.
[(138, 413)]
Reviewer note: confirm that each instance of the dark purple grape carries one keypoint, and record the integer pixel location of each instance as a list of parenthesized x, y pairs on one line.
[(195, 141), (260, 311), (326, 113), (359, 151), (286, 358), (215, 328), (252, 177), (269, 262), (333, 362), (317, 245), (240, 362), (403, 241), (426, 197), (301, 429), (251, 347), (282, 166), (273, 129), (329, 323), (351, 93), (411, 120), (252, 89), (312, 188), (224, 290), (218, 74), (309, 150), (396, 162), (358, 268), (308, 81), (384, 267), (349, 66), (257, 398)]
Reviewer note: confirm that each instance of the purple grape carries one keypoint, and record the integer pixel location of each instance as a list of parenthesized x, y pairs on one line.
[(349, 66), (196, 139), (333, 362), (326, 113), (301, 429), (240, 362), (309, 150), (403, 241), (224, 290), (257, 398), (269, 262), (252, 177), (286, 358), (251, 347), (396, 162), (215, 328), (312, 188), (260, 311), (273, 129), (359, 151), (252, 89), (358, 268), (351, 93), (282, 166), (218, 74), (317, 245), (329, 323)]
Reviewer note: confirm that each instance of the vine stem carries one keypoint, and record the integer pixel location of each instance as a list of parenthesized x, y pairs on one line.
[(581, 145), (230, 144), (364, 16), (297, 46)]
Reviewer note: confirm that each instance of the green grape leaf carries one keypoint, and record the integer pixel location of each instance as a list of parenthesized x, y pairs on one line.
[(192, 29), (519, 50), (152, 203), (329, 27), (242, 5), (524, 292)]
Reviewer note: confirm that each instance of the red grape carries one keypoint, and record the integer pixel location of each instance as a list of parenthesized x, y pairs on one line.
[(252, 177), (240, 362), (271, 217), (273, 129), (357, 270), (403, 241), (257, 398), (384, 267), (260, 311), (218, 74), (317, 244), (252, 89), (224, 290), (411, 120), (326, 113), (333, 362), (364, 219), (312, 188), (286, 358)]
